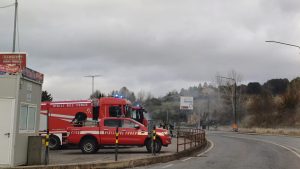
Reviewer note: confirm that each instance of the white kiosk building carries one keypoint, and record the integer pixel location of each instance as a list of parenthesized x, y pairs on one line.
[(20, 97)]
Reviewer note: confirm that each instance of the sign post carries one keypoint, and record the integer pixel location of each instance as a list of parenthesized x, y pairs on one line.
[(117, 144), (154, 141)]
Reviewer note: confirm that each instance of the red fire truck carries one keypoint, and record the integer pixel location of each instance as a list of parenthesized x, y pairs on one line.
[(63, 114), (131, 133)]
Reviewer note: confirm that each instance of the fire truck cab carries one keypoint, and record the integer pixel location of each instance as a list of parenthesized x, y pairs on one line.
[(131, 133), (139, 114)]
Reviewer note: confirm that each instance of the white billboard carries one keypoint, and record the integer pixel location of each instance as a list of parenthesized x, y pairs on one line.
[(186, 103)]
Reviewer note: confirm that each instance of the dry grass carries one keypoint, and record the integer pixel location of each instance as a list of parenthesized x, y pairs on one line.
[(271, 131), (268, 131)]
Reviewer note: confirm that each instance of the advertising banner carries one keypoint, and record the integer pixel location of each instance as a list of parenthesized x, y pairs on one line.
[(11, 60), (186, 103), (9, 68), (33, 75)]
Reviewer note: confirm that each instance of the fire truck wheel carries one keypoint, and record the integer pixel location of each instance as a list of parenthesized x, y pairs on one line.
[(158, 145), (54, 142), (89, 146)]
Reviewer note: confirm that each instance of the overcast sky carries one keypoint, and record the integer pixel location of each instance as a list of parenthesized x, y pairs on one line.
[(153, 45)]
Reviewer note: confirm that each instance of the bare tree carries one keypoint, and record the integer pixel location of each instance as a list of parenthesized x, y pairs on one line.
[(141, 96)]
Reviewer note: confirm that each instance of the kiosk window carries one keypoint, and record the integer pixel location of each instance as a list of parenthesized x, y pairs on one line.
[(27, 117), (23, 117), (31, 118)]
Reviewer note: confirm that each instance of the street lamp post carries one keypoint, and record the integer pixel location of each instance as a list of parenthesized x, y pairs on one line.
[(234, 126), (93, 77), (282, 43)]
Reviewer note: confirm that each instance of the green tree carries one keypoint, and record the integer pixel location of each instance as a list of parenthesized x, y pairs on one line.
[(97, 94), (126, 93), (46, 96), (277, 86), (253, 88)]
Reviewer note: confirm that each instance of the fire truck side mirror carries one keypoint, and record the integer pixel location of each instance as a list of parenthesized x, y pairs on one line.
[(136, 126)]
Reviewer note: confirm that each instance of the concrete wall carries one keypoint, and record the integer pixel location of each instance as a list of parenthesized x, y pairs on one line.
[(8, 89), (8, 86), (27, 96)]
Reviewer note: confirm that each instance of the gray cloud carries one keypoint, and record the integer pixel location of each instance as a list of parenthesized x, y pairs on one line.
[(155, 46)]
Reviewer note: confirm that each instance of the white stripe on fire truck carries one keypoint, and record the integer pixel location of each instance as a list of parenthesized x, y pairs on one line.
[(65, 116), (142, 133), (113, 132), (68, 120), (124, 133), (61, 115), (89, 132), (69, 103), (43, 111)]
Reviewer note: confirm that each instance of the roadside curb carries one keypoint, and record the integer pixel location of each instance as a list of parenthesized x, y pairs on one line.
[(121, 164)]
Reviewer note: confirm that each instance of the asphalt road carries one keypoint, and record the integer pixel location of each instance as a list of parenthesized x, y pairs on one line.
[(69, 155), (241, 151)]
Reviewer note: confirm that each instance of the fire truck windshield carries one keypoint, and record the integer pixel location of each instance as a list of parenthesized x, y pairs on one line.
[(138, 115), (115, 111)]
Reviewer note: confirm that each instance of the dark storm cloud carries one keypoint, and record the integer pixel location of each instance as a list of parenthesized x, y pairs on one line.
[(155, 46)]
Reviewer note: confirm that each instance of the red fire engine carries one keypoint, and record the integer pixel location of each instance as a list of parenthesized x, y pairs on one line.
[(131, 133), (63, 114)]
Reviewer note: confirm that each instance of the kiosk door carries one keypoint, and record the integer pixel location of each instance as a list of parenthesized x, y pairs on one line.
[(7, 107)]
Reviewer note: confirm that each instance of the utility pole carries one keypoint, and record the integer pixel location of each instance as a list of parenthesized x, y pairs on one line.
[(15, 26), (208, 113), (167, 116), (234, 125), (235, 115), (93, 77)]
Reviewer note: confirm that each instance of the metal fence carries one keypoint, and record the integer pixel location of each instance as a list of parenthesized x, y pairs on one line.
[(189, 137)]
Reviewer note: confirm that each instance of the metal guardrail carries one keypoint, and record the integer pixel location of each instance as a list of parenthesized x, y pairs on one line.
[(189, 137)]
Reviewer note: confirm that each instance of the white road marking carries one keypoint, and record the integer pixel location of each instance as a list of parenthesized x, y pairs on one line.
[(287, 148), (270, 142), (211, 147), (167, 166), (186, 159)]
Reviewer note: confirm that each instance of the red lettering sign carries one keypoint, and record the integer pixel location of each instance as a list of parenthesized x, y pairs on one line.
[(13, 59), (9, 68)]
